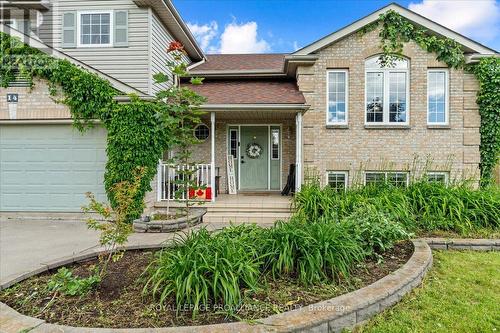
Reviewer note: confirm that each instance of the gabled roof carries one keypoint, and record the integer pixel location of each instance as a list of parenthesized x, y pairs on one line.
[(469, 45), (38, 44), (176, 26)]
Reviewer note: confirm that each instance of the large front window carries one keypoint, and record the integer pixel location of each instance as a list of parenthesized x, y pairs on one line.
[(95, 29), (386, 91)]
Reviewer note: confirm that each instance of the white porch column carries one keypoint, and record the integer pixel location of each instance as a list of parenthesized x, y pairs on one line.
[(298, 151), (212, 155)]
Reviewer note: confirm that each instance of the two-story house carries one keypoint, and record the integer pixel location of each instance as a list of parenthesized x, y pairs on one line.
[(46, 164), (329, 109)]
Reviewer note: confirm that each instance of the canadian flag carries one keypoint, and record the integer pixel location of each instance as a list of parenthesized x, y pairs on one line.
[(200, 193)]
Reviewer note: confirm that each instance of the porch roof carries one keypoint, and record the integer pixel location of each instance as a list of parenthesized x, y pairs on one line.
[(256, 91)]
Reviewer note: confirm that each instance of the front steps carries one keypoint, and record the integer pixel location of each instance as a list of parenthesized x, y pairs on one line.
[(244, 209)]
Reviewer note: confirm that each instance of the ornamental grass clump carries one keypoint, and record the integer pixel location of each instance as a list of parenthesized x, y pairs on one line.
[(422, 205), (312, 252), (204, 268), (458, 208)]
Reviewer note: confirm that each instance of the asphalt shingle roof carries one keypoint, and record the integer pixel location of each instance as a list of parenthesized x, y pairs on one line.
[(256, 91), (234, 62)]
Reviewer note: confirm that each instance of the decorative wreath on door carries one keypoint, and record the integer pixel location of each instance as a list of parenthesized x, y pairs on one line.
[(254, 150)]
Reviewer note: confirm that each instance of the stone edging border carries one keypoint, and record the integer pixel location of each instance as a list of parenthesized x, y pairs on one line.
[(463, 244), (331, 315), (327, 316)]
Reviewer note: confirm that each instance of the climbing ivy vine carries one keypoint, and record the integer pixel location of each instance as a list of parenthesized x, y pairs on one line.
[(395, 31), (136, 135), (488, 99)]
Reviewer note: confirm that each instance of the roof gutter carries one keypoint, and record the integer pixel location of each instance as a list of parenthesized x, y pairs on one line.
[(184, 27), (476, 57), (255, 107)]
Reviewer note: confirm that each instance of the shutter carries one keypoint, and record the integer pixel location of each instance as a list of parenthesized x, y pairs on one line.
[(120, 28), (68, 38)]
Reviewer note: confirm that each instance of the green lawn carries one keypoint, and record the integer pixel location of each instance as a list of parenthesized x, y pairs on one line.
[(461, 293)]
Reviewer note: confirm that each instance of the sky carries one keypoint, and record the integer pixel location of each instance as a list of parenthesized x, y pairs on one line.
[(276, 26)]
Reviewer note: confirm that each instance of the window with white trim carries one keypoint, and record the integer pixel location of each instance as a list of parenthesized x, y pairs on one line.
[(394, 178), (387, 92), (95, 28), (337, 180), (275, 144), (233, 143), (337, 97), (439, 177), (437, 96)]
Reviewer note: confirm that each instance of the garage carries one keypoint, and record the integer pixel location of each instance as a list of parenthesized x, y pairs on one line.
[(50, 167)]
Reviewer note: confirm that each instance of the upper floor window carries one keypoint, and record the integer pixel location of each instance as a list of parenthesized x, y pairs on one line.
[(95, 28), (337, 95), (386, 92), (437, 97)]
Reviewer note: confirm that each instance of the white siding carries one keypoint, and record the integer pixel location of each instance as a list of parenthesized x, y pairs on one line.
[(127, 64)]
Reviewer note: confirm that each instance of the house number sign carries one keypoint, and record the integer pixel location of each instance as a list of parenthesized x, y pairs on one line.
[(12, 98)]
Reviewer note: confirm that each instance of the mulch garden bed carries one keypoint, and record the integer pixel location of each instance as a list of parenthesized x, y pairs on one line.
[(119, 301)]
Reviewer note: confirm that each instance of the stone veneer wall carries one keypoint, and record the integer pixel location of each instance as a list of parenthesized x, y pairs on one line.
[(357, 148)]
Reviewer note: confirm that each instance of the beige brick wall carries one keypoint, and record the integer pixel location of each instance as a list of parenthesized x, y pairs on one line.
[(354, 148), (33, 103)]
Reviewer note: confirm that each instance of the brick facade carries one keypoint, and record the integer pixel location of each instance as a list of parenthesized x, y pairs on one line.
[(35, 103), (354, 148)]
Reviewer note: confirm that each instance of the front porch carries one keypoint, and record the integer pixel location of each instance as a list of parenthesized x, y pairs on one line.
[(236, 184), (263, 208), (247, 150)]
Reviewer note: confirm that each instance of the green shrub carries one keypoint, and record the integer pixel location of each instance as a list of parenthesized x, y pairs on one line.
[(376, 229), (311, 251), (64, 282), (420, 206), (456, 208), (202, 268)]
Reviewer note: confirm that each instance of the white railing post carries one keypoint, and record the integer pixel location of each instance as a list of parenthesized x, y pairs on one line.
[(159, 182), (167, 174), (212, 161)]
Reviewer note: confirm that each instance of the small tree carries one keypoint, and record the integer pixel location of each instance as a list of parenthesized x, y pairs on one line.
[(180, 111), (116, 227)]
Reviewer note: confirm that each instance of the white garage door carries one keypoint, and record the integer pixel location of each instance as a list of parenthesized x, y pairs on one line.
[(50, 167)]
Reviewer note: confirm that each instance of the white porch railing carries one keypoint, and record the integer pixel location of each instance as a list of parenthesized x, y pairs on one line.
[(169, 176)]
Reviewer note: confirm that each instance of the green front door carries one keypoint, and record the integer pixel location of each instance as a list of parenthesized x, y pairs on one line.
[(254, 163)]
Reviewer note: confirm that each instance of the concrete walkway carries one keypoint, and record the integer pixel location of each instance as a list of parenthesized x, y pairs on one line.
[(25, 245)]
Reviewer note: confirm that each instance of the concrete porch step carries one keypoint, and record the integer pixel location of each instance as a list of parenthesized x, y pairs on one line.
[(244, 218)]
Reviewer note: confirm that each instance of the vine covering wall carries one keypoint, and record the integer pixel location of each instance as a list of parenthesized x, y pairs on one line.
[(135, 137)]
